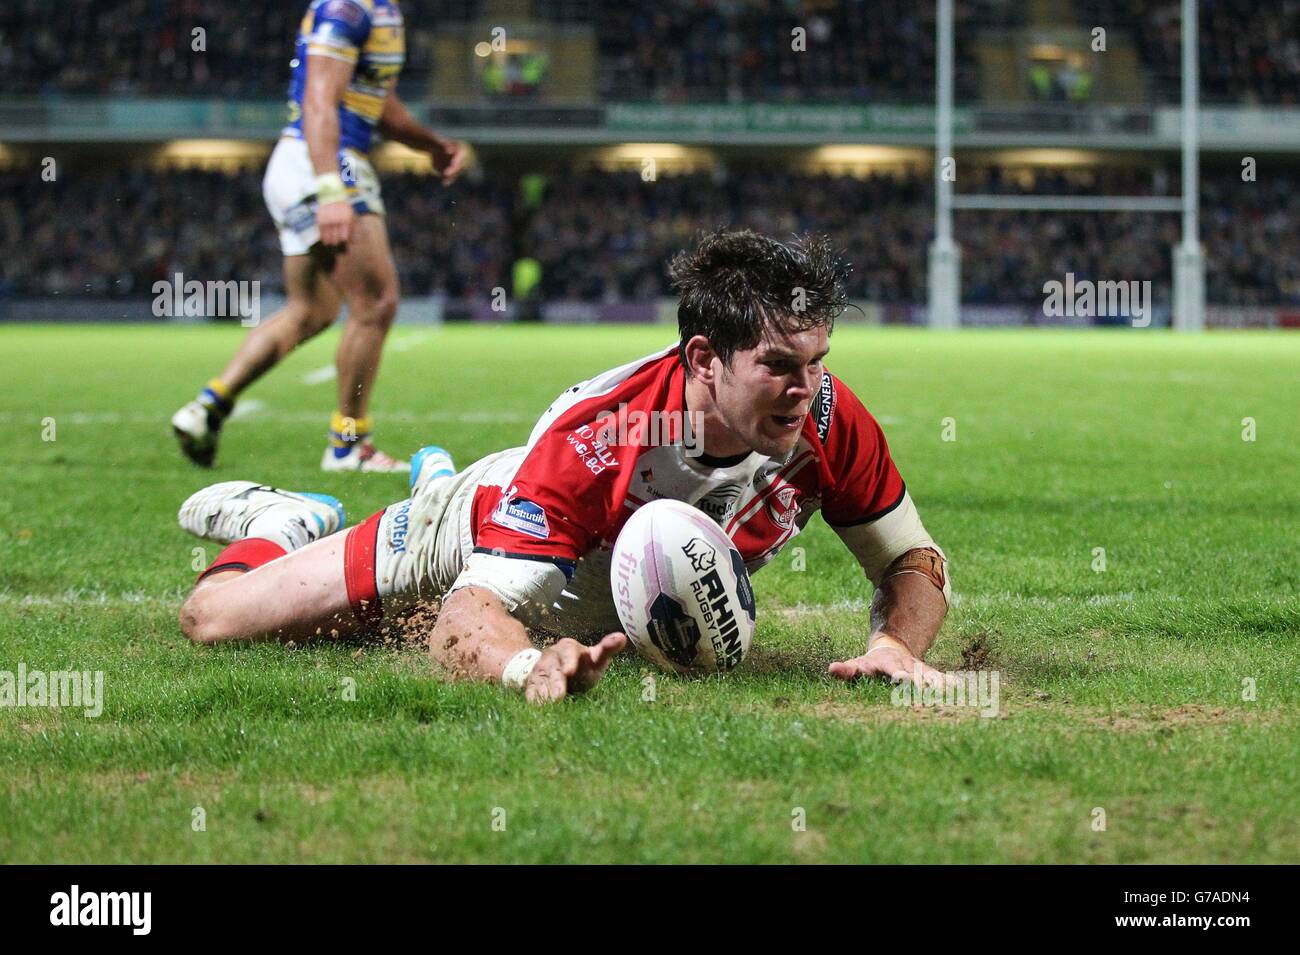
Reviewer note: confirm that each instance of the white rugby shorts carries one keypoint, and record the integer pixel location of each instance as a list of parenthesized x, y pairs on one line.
[(416, 548), (289, 188)]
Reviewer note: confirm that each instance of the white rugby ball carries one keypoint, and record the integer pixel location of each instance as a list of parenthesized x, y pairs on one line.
[(681, 589)]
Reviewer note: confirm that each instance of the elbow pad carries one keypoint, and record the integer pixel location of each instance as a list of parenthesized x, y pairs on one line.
[(884, 543)]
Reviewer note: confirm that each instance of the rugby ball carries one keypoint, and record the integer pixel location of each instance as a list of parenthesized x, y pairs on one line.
[(681, 589)]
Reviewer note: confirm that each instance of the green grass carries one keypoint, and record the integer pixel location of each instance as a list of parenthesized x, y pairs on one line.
[(1121, 690)]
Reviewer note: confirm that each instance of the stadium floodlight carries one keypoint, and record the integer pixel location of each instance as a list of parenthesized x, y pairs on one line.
[(1188, 313)]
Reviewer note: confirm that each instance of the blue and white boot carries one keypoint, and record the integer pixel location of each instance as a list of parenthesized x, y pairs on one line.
[(235, 510), (430, 463)]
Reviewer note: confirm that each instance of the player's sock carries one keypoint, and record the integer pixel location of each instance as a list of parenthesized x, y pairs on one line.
[(346, 433), (217, 398), (351, 449), (285, 525), (245, 555), (361, 553)]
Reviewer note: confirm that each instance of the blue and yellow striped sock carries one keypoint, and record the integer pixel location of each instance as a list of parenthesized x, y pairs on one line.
[(346, 433), (216, 397)]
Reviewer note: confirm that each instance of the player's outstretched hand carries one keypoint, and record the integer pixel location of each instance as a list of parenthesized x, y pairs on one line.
[(888, 663), (567, 666), (448, 158), (335, 221)]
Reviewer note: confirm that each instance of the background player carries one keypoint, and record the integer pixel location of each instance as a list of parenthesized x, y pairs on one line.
[(521, 538), (324, 196)]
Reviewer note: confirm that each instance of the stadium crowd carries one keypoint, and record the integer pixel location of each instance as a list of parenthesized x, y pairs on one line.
[(859, 50), (1249, 49), (148, 47), (606, 236), (669, 50), (117, 232)]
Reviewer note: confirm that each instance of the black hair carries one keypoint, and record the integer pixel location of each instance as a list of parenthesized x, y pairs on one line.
[(736, 286)]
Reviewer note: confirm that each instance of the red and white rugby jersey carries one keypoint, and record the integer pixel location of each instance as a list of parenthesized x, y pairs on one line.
[(572, 492)]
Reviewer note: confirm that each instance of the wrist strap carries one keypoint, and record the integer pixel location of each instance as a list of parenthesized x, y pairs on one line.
[(515, 675), (330, 188)]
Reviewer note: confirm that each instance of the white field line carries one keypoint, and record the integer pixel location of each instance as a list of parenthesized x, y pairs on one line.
[(994, 601), (286, 417), (1007, 599), (407, 343), (858, 605), (318, 376), (83, 598), (247, 408)]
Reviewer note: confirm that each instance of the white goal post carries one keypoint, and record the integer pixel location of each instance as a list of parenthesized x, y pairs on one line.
[(944, 278)]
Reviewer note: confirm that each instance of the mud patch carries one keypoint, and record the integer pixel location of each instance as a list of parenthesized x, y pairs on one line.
[(885, 713), (977, 653), (1146, 720), (1185, 716)]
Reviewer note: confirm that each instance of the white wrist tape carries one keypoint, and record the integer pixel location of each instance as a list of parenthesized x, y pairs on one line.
[(330, 188), (885, 640), (515, 675)]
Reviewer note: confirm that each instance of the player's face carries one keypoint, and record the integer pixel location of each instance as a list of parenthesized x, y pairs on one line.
[(766, 395)]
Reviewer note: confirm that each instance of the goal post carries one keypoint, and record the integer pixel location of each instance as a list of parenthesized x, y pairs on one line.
[(1189, 256), (944, 272), (944, 262)]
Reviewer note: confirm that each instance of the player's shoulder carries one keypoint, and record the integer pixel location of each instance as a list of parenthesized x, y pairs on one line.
[(585, 442), (351, 13), (570, 485), (839, 416), (646, 384), (861, 482)]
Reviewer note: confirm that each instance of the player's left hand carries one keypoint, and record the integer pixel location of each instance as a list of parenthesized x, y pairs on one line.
[(889, 662), (567, 666), (448, 159)]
